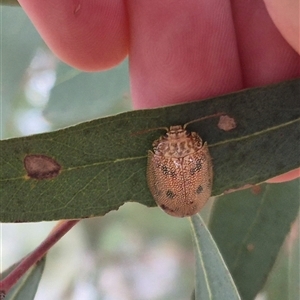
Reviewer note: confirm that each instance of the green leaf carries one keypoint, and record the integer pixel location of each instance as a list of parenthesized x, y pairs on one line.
[(19, 43), (100, 91), (103, 162), (26, 287), (249, 229), (213, 280), (283, 281), (9, 2)]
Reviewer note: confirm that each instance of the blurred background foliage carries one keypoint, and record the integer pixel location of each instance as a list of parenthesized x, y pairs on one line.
[(133, 253)]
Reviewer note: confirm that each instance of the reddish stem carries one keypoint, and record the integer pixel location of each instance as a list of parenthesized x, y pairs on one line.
[(58, 231)]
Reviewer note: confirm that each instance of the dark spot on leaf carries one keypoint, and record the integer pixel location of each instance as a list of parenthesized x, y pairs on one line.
[(40, 166), (199, 189), (2, 295), (256, 189), (170, 194), (250, 247), (226, 123)]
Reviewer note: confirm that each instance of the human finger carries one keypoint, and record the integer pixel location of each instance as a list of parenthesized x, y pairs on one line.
[(291, 175), (285, 15), (181, 51), (89, 35)]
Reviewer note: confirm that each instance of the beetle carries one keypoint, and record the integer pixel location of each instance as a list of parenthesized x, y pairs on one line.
[(180, 171)]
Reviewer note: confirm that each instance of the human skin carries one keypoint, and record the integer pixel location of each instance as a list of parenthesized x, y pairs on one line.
[(179, 51)]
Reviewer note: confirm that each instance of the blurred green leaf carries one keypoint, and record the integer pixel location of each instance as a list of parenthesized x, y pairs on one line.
[(78, 96), (9, 2), (103, 162), (249, 228), (283, 281), (26, 287), (213, 280), (19, 42)]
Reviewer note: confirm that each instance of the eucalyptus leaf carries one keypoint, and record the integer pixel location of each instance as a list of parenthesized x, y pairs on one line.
[(102, 163), (19, 43), (26, 286), (213, 280), (249, 228), (283, 281), (78, 96), (9, 2)]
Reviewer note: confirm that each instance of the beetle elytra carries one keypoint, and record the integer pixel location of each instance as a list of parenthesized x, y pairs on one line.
[(179, 171)]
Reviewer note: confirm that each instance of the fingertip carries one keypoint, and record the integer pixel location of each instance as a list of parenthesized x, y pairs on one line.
[(285, 15), (90, 35), (289, 176)]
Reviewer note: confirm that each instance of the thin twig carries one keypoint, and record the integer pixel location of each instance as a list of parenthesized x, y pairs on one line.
[(57, 232)]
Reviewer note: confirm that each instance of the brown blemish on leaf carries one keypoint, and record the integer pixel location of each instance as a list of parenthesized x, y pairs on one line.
[(256, 189), (226, 123), (40, 166), (250, 247)]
